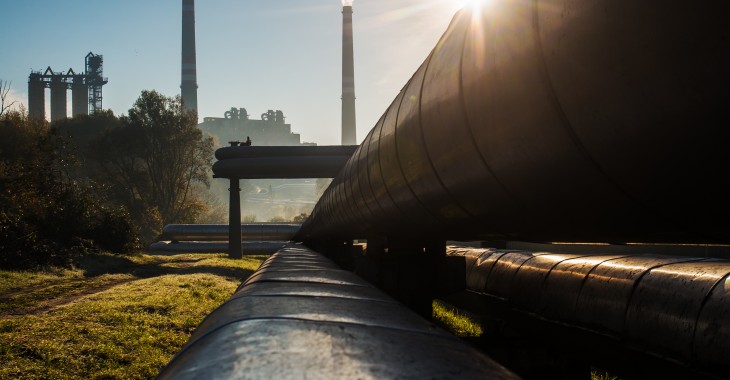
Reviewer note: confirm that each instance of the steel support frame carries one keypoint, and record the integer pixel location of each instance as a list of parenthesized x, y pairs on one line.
[(234, 220)]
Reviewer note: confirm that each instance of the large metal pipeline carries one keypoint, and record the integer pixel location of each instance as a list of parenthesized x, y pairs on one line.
[(281, 232), (551, 120), (281, 161), (299, 316), (247, 247), (257, 238), (671, 307), (232, 152)]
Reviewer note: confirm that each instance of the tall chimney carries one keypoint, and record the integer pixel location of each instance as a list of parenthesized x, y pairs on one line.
[(348, 79), (189, 84)]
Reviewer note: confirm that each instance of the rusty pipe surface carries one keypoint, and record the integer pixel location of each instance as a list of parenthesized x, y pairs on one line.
[(551, 120)]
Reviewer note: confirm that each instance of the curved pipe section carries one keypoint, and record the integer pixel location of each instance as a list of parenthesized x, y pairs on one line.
[(669, 306), (551, 120)]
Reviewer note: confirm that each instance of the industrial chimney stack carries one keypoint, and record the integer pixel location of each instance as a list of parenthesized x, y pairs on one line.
[(189, 84), (348, 79)]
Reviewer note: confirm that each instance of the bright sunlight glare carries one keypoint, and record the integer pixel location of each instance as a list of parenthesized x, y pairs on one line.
[(476, 4)]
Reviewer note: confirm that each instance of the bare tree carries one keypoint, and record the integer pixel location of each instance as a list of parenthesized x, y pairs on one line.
[(5, 103)]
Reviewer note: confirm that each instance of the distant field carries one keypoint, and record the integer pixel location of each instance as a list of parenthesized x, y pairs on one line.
[(116, 317)]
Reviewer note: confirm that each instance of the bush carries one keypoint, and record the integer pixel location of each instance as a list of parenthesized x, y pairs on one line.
[(115, 231), (48, 217), (22, 247)]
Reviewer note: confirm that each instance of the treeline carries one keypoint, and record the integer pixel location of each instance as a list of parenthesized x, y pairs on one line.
[(98, 182)]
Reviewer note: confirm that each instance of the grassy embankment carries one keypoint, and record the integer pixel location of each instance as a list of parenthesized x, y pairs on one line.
[(125, 317), (113, 318)]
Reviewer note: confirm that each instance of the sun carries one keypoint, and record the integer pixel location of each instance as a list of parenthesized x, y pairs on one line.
[(474, 4)]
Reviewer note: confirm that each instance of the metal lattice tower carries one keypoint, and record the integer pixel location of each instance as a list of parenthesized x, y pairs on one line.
[(95, 80)]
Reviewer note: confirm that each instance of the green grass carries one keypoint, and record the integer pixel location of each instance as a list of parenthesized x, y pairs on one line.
[(463, 326), (456, 322), (602, 375), (113, 318), (124, 317)]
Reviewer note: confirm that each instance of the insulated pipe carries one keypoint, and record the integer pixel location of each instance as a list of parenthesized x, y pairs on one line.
[(189, 77), (280, 167), (283, 151), (672, 307), (281, 161), (219, 232), (247, 248), (299, 316), (551, 120)]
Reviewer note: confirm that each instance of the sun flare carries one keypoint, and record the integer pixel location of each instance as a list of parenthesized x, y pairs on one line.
[(475, 4)]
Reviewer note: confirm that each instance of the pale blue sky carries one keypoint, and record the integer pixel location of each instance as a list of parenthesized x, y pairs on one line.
[(275, 54)]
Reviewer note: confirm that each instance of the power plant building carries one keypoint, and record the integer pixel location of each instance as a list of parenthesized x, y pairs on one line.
[(235, 125)]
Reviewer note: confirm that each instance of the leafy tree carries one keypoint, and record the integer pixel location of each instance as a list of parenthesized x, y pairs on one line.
[(155, 157), (300, 218), (94, 182), (47, 216)]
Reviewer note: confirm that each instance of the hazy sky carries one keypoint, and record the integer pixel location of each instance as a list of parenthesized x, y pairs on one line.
[(256, 54)]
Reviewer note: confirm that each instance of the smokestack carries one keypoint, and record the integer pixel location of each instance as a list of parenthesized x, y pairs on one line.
[(189, 84), (348, 77)]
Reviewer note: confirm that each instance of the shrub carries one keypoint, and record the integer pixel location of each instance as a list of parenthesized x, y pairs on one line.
[(115, 231), (48, 217)]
